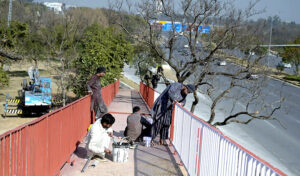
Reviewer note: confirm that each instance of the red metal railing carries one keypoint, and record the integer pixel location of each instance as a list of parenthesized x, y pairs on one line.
[(110, 91), (42, 146), (147, 93)]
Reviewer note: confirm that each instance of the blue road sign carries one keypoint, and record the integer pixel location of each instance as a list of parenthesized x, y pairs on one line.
[(205, 30), (177, 27), (167, 27), (180, 28)]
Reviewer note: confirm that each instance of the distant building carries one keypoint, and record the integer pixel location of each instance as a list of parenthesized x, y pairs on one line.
[(57, 7), (70, 6), (159, 6)]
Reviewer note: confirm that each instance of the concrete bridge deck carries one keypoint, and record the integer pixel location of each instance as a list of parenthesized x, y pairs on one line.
[(157, 160)]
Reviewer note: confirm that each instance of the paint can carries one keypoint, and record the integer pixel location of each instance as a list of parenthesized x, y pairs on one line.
[(147, 141), (120, 152)]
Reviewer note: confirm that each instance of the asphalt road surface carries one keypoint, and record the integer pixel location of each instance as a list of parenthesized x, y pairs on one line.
[(271, 61), (268, 138)]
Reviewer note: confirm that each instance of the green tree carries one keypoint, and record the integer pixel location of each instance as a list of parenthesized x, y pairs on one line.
[(35, 47), (13, 37), (3, 78), (144, 59), (292, 55), (100, 47), (11, 40)]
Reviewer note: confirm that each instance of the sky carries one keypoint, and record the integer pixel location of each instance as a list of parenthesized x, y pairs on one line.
[(287, 10)]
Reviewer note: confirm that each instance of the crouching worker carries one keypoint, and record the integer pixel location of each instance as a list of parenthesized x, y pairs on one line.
[(100, 136), (135, 123)]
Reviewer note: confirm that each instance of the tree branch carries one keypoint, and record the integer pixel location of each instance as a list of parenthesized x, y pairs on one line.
[(10, 55)]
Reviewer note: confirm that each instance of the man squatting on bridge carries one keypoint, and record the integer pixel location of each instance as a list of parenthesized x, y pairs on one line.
[(95, 89), (162, 108), (134, 129), (99, 136)]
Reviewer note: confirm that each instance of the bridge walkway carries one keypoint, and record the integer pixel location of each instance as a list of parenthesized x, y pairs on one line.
[(156, 160)]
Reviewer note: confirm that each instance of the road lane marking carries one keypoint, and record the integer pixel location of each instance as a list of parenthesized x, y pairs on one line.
[(298, 121), (270, 124)]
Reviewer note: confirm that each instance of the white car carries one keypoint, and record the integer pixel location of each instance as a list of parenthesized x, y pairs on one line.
[(222, 63), (252, 76), (287, 65), (186, 46)]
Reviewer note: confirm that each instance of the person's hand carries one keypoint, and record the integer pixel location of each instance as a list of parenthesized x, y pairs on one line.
[(107, 151), (181, 104), (90, 92), (110, 134)]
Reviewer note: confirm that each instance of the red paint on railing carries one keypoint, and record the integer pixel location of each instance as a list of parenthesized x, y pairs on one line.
[(147, 94), (198, 143), (124, 113), (42, 146), (109, 92), (199, 152), (172, 124)]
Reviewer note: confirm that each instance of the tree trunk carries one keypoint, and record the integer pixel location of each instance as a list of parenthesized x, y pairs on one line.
[(10, 55), (62, 83), (195, 102), (297, 69), (212, 117), (35, 62)]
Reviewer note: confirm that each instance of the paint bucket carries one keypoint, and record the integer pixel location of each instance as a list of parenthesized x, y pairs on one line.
[(120, 152), (147, 141), (150, 120)]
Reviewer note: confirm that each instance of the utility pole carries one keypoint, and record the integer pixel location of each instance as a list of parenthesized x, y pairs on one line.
[(270, 42), (9, 13)]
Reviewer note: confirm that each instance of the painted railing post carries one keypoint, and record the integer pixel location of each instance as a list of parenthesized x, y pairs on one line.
[(172, 123)]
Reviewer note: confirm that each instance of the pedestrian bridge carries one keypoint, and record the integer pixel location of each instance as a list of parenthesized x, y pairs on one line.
[(52, 144)]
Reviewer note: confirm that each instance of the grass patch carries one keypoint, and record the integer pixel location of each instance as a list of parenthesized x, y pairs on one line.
[(44, 72), (130, 83), (18, 73), (170, 74), (293, 77)]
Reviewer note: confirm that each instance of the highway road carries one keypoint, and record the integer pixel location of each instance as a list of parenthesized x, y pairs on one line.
[(271, 61), (268, 139), (278, 145)]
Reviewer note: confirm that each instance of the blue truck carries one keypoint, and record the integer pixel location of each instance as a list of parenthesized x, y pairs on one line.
[(35, 96)]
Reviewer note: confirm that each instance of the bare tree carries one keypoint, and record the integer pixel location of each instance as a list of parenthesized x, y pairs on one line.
[(196, 61), (62, 37)]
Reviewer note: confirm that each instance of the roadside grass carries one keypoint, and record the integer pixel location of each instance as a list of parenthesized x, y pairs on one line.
[(130, 83), (293, 77)]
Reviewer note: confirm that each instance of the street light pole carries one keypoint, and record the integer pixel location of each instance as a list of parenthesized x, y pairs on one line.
[(270, 41), (9, 13)]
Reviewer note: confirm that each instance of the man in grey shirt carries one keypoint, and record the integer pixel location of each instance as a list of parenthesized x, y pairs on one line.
[(135, 123), (94, 88)]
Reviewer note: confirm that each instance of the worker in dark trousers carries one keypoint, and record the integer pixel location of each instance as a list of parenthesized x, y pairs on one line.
[(95, 89)]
